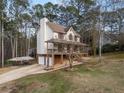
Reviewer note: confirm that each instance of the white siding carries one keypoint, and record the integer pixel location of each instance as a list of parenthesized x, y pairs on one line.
[(50, 61), (44, 34), (78, 39), (55, 35), (49, 35), (68, 33), (41, 37), (41, 60)]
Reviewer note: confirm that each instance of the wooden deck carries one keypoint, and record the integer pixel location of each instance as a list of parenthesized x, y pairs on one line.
[(59, 53)]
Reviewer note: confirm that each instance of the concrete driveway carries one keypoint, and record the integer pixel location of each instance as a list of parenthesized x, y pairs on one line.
[(28, 70), (20, 72)]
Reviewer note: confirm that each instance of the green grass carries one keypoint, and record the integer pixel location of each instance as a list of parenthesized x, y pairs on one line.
[(105, 77)]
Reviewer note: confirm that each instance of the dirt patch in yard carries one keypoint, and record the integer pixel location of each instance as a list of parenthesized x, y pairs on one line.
[(7, 87), (13, 87), (36, 85)]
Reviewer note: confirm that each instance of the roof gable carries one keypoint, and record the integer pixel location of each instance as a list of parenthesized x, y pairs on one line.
[(75, 33), (61, 29), (56, 27)]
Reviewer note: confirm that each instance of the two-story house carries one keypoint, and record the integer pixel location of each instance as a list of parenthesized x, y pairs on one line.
[(55, 42)]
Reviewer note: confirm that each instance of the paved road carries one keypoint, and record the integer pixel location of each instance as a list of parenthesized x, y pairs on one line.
[(21, 72)]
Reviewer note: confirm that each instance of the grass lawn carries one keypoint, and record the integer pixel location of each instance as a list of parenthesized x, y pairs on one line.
[(106, 77)]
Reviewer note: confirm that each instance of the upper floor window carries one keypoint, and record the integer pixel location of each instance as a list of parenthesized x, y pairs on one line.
[(70, 37), (76, 38), (61, 36)]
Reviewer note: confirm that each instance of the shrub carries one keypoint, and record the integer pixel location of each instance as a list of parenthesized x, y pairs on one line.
[(110, 48)]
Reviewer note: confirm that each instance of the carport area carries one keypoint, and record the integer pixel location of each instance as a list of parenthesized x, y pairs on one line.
[(21, 60)]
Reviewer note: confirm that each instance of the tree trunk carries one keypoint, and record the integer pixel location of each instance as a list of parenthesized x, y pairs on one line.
[(71, 56), (94, 41), (16, 46), (13, 47), (29, 43), (70, 60), (2, 43), (26, 40)]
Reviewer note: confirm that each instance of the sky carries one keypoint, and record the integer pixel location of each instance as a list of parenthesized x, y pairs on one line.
[(44, 1)]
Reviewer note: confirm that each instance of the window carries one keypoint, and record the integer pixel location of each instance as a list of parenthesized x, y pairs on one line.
[(70, 37), (61, 36), (76, 38)]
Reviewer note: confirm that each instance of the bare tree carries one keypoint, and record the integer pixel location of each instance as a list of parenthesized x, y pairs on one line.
[(2, 41)]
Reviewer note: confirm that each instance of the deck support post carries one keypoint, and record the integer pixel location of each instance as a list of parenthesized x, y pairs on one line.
[(47, 56), (62, 54), (53, 55), (45, 60)]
